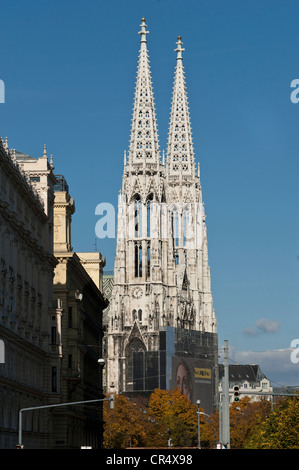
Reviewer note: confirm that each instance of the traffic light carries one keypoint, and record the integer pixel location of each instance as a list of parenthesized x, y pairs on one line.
[(236, 393)]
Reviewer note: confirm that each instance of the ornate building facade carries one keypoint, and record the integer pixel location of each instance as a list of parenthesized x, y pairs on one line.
[(50, 311), (161, 273), (30, 373), (78, 285)]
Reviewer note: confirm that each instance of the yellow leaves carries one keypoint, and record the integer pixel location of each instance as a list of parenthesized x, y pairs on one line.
[(167, 415), (280, 430), (130, 425)]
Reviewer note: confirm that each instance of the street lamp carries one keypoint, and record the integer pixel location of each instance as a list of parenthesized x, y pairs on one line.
[(198, 403)]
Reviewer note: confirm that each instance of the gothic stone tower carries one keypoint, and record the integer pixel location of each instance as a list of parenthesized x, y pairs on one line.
[(161, 276)]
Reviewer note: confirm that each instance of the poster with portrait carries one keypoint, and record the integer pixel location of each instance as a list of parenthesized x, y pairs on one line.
[(194, 378)]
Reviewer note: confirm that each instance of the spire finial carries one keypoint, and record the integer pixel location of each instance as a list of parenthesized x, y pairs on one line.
[(143, 31), (179, 49), (45, 151)]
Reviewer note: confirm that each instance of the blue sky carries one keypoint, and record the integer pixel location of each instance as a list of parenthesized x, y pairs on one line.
[(69, 70)]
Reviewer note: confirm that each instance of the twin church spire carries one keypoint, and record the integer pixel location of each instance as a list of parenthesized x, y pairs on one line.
[(144, 148), (161, 270), (144, 144)]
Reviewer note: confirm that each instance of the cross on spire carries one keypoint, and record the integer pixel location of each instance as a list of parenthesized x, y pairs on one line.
[(143, 31), (179, 49)]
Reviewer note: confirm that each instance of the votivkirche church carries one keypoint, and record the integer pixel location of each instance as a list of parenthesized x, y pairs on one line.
[(162, 330)]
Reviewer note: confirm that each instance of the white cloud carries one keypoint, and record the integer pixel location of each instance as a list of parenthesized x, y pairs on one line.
[(263, 325), (267, 326), (276, 364)]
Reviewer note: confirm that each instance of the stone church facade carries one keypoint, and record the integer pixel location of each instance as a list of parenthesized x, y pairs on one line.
[(161, 273)]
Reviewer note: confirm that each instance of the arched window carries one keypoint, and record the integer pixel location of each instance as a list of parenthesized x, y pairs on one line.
[(135, 372), (148, 260), (138, 260), (138, 217), (175, 227), (148, 214), (186, 218), (140, 315)]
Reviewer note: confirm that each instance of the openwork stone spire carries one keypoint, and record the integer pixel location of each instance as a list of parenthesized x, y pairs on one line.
[(144, 145), (180, 155)]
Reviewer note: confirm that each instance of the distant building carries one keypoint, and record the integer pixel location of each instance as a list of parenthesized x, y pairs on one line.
[(78, 284), (248, 377)]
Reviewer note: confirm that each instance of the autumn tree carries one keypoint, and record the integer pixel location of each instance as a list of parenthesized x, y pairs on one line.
[(245, 416), (130, 425), (280, 430), (179, 416)]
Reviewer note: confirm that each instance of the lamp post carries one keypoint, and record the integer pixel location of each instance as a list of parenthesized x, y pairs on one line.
[(198, 403)]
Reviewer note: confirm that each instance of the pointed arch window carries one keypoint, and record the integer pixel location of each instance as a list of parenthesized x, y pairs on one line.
[(138, 217), (140, 315), (186, 219), (138, 259), (175, 227), (148, 273), (148, 214)]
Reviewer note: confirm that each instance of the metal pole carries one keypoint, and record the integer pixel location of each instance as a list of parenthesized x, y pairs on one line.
[(198, 425), (225, 399)]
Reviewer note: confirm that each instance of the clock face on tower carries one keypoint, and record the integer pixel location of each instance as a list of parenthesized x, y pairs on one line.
[(137, 292)]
